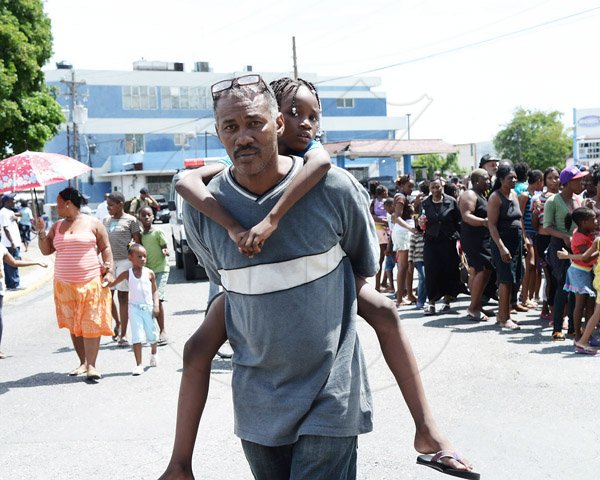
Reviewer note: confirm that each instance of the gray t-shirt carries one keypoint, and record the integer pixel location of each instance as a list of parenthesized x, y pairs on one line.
[(120, 232), (291, 310)]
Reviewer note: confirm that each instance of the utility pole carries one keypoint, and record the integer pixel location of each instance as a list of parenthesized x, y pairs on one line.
[(408, 126), (295, 59), (72, 86)]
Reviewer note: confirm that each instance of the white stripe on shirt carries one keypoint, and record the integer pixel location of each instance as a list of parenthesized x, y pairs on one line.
[(276, 277)]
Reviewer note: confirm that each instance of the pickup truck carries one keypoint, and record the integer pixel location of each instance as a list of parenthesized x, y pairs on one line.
[(184, 257)]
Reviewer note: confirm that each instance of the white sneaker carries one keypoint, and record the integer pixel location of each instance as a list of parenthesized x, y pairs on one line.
[(162, 340), (138, 370), (153, 360)]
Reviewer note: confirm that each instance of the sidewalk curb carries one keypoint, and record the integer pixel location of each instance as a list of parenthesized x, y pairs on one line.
[(10, 296)]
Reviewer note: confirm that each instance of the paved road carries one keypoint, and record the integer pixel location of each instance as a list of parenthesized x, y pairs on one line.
[(520, 406)]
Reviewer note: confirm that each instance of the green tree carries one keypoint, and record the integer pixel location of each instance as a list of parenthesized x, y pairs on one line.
[(535, 137), (448, 165), (29, 113)]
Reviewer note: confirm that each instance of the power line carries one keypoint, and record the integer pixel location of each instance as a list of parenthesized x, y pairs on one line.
[(463, 47)]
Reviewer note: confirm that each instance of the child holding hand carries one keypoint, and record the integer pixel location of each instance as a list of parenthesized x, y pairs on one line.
[(580, 279), (143, 305)]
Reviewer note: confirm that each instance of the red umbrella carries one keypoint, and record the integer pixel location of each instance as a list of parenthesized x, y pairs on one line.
[(28, 170)]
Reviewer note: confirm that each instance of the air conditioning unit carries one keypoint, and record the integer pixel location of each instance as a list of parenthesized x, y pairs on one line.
[(181, 140)]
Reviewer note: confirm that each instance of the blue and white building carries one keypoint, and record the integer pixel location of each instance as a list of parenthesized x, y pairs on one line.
[(137, 127)]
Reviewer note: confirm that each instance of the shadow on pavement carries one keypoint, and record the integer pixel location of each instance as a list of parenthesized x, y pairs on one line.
[(188, 312), (38, 380)]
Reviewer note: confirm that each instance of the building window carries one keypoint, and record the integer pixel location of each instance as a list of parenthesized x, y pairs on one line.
[(134, 143), (139, 98), (185, 98), (344, 103)]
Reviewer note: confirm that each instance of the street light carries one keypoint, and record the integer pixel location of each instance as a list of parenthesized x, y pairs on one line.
[(408, 126)]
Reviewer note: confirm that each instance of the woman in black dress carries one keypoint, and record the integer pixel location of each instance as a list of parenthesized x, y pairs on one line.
[(441, 222), (475, 240), (506, 229)]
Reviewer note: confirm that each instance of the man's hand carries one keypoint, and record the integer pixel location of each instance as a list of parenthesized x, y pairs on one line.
[(42, 264), (562, 254), (165, 252)]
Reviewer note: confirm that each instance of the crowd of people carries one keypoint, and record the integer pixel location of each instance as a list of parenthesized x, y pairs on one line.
[(506, 232)]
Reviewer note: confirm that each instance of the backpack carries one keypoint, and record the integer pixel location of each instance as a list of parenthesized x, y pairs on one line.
[(127, 204)]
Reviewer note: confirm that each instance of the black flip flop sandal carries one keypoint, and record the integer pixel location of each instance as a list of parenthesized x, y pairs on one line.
[(434, 461)]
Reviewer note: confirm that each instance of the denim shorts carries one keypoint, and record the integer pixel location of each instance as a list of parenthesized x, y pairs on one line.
[(580, 281), (143, 325), (390, 262), (314, 457)]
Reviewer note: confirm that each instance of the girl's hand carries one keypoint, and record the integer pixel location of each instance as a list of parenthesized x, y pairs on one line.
[(165, 252), (505, 254), (257, 236), (107, 279), (42, 264)]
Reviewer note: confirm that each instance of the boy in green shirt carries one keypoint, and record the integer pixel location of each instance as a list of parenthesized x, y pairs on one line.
[(155, 243)]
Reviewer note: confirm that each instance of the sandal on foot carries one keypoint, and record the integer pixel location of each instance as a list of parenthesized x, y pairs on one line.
[(585, 350), (430, 310), (93, 374), (509, 325), (123, 342), (80, 370), (446, 308), (519, 308), (434, 461), (558, 336)]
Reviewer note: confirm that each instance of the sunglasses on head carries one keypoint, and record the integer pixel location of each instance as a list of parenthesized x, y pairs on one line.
[(243, 81)]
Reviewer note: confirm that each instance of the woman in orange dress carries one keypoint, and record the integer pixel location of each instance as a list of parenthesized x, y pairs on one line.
[(81, 297)]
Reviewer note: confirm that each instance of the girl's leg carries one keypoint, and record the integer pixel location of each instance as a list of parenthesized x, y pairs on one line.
[(578, 313), (115, 315), (590, 326), (198, 354), (526, 278), (160, 319), (409, 283), (123, 312), (402, 260), (379, 312), (137, 352)]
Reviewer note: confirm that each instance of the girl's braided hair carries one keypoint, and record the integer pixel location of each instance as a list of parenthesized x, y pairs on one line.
[(284, 86)]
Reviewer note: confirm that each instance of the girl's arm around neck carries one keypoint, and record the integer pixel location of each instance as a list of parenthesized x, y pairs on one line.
[(316, 165), (193, 190)]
